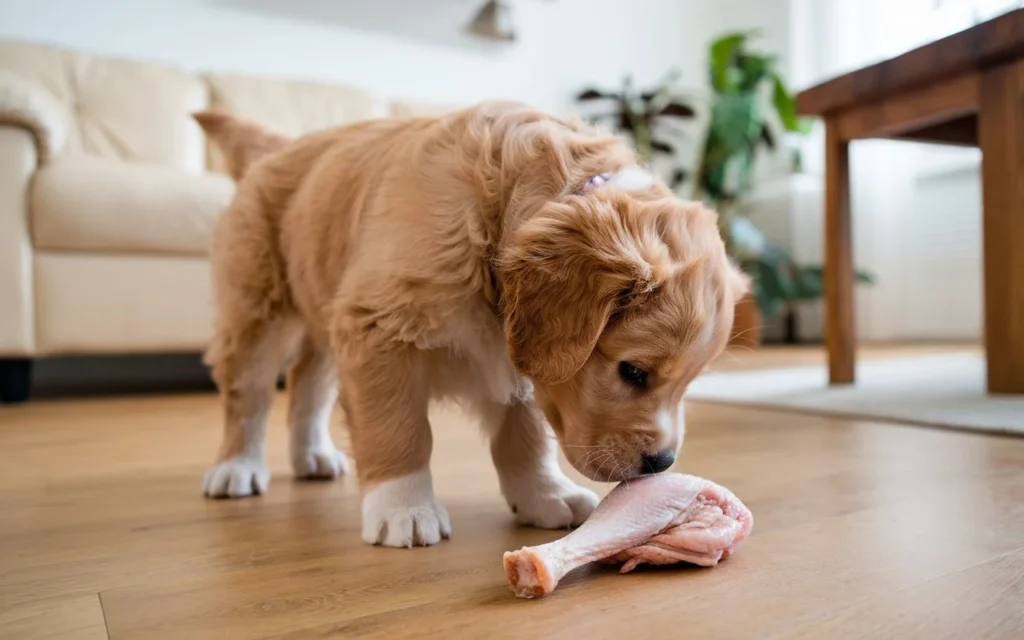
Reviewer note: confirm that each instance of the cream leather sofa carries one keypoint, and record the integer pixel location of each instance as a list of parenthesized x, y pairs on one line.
[(108, 193)]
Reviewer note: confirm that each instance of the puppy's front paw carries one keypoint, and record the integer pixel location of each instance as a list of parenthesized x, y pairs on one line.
[(322, 463), (404, 513), (236, 477), (551, 503)]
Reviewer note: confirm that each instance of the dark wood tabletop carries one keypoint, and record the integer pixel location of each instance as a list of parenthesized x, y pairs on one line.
[(994, 42)]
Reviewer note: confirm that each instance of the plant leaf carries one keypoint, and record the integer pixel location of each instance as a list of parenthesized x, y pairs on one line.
[(594, 94), (810, 283), (626, 121), (864, 277), (767, 137), (776, 255), (768, 303), (722, 53), (785, 105), (663, 147), (753, 69), (771, 309), (774, 273), (734, 123), (678, 110), (679, 176), (768, 276)]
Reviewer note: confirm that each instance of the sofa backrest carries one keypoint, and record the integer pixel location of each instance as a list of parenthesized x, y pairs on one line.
[(119, 109), (289, 107), (140, 111)]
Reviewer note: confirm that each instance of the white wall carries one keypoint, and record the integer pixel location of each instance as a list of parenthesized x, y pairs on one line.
[(397, 48)]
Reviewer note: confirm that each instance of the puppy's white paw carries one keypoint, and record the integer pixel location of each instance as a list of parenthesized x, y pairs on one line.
[(236, 477), (404, 513), (550, 502), (321, 463)]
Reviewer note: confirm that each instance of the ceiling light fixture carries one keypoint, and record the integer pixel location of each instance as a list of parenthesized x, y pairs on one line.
[(495, 21)]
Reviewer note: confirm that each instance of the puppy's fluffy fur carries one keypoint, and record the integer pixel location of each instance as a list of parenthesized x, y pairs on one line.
[(459, 256)]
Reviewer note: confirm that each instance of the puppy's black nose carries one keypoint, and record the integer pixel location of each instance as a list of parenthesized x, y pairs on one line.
[(658, 462)]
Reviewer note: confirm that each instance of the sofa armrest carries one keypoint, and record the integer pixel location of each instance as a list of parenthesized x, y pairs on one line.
[(18, 161), (28, 105)]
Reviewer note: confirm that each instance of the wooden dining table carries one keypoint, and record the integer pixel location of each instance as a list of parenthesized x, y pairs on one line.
[(966, 89)]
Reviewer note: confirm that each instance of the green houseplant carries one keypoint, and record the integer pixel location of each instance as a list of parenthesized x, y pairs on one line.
[(750, 106), (750, 102), (649, 117)]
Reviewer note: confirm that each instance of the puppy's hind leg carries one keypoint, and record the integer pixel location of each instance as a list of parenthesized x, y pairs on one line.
[(313, 388), (256, 331), (246, 364), (526, 457)]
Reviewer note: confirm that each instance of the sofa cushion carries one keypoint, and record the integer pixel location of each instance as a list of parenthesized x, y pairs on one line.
[(292, 108), (124, 109), (416, 109), (93, 204)]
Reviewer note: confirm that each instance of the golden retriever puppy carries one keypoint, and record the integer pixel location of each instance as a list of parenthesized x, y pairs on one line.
[(517, 262)]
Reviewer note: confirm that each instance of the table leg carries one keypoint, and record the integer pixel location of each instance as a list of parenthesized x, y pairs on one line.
[(1001, 133), (839, 281)]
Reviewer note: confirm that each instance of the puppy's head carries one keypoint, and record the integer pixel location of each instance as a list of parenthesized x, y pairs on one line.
[(614, 302)]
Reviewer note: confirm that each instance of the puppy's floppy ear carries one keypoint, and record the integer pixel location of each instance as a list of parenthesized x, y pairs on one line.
[(562, 276)]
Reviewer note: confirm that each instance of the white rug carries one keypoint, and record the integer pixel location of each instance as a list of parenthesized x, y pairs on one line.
[(939, 390)]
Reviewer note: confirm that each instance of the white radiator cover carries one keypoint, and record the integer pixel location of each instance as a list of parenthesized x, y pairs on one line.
[(917, 228), (943, 284)]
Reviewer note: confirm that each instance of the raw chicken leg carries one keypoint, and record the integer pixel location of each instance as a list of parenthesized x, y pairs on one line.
[(660, 519)]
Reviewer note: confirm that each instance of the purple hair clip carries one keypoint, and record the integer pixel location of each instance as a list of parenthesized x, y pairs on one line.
[(595, 182)]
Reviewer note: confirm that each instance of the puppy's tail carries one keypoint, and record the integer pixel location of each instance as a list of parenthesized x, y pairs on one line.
[(241, 142)]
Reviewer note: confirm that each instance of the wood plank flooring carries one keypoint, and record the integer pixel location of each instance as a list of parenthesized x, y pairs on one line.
[(862, 530)]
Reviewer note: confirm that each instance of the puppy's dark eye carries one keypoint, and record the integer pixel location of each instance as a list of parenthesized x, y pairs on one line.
[(633, 375)]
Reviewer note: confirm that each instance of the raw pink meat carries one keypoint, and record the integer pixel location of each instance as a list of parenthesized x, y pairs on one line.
[(661, 519)]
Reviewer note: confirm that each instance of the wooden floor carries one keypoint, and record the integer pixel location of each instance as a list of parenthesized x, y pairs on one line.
[(862, 530)]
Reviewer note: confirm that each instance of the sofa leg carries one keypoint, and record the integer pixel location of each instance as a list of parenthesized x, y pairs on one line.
[(15, 379)]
